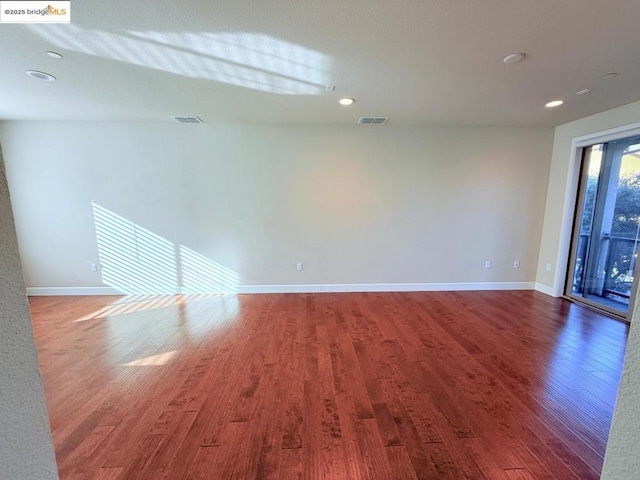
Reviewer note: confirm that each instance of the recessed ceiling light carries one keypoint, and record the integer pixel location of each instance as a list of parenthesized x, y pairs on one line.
[(514, 58), (347, 101), (583, 91), (54, 55), (41, 75), (611, 75), (554, 103)]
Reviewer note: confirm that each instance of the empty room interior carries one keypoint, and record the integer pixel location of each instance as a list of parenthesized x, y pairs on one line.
[(320, 240)]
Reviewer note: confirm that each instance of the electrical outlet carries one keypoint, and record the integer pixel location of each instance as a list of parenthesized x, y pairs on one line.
[(548, 267), (516, 264), (299, 266), (94, 267), (487, 264)]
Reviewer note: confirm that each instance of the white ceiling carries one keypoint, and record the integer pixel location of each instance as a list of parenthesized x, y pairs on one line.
[(416, 61)]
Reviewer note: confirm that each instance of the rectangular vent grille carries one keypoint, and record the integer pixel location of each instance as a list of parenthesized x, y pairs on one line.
[(188, 119), (373, 120)]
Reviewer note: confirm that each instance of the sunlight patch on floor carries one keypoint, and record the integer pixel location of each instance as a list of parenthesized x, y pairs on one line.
[(152, 361), (141, 303)]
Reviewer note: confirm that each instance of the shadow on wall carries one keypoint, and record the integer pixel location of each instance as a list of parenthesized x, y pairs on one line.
[(137, 261), (249, 60)]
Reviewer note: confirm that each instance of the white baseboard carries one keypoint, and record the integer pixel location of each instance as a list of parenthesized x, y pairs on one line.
[(314, 288), (541, 287), (385, 287)]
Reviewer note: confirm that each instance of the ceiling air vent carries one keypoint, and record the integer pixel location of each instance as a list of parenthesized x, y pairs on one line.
[(187, 119), (373, 120)]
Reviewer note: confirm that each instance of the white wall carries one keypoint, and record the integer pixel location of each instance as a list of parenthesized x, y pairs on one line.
[(622, 459), (26, 450), (357, 205), (559, 174)]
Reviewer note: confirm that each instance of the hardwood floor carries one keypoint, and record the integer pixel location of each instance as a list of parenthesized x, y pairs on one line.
[(447, 385)]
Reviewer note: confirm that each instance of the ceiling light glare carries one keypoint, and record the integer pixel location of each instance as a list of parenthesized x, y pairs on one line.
[(347, 101), (47, 77), (611, 75), (55, 55), (514, 58), (583, 91), (554, 103)]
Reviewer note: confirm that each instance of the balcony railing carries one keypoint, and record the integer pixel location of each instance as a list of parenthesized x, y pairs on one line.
[(617, 270)]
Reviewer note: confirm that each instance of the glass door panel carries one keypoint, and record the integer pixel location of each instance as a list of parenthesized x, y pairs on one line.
[(607, 226), (592, 162)]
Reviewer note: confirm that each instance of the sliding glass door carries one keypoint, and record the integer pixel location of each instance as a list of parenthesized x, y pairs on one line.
[(606, 231)]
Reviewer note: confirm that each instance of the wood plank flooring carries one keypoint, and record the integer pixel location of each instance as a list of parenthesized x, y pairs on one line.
[(446, 385)]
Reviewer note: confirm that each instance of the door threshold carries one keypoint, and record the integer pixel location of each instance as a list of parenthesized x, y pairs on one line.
[(608, 313)]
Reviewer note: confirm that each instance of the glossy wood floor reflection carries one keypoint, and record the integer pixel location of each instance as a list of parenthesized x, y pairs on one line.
[(477, 385)]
